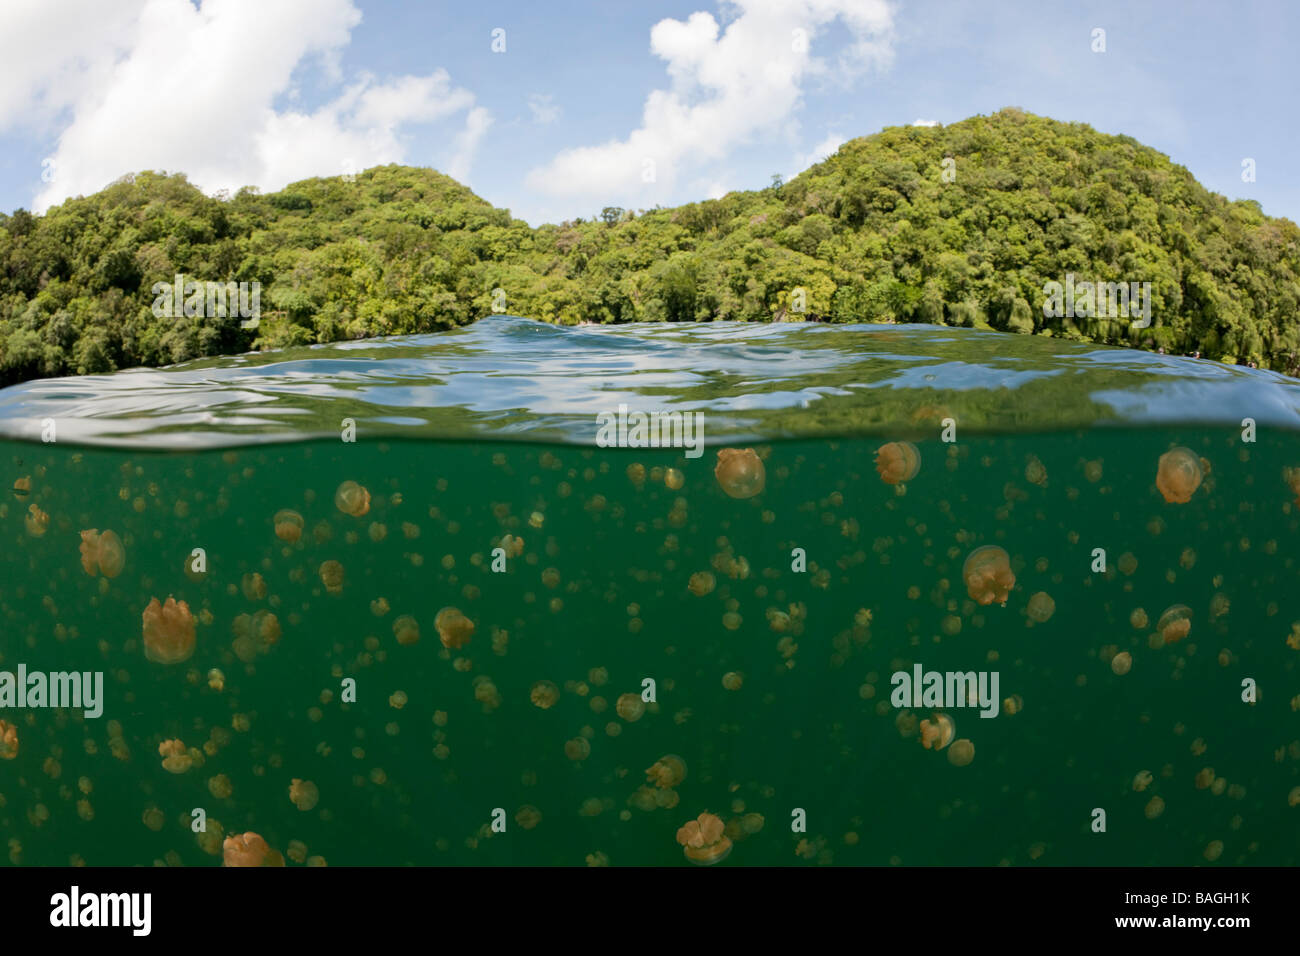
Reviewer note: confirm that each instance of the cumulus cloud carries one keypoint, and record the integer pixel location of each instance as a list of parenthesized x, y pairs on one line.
[(924, 122), (728, 86), (163, 84)]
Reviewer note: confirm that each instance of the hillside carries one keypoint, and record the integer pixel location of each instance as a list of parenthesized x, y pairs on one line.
[(874, 233)]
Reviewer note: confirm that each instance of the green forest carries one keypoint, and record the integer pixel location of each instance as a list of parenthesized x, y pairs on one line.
[(959, 225)]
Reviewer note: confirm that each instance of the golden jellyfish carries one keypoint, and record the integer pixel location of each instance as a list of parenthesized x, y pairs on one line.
[(740, 472), (674, 479), (1041, 607), (988, 576), (454, 628), (407, 630), (220, 787), (248, 849), (1179, 475), (304, 794), (961, 752), (288, 525), (1175, 623), (1138, 618), (667, 772), (630, 707), (701, 583), (544, 694), (1142, 780), (578, 748), (36, 521), (102, 553), (1293, 798), (938, 733), (733, 680), (168, 631), (352, 499), (1213, 850), (331, 575), (8, 740), (1036, 472), (176, 758), (1121, 663), (528, 816), (897, 461), (704, 841)]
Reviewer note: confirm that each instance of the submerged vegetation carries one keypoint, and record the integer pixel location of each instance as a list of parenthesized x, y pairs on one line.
[(960, 225)]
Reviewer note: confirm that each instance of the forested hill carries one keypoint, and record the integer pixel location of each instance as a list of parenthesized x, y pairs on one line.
[(959, 225)]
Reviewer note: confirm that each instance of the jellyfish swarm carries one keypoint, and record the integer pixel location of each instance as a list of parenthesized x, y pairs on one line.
[(1178, 475), (168, 631), (102, 553), (897, 461), (988, 577), (703, 840), (740, 472)]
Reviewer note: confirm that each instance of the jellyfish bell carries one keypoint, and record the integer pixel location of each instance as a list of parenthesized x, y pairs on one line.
[(1121, 663), (454, 628), (937, 734), (331, 575), (667, 772), (168, 631), (8, 740), (1041, 608), (352, 499), (897, 461), (630, 707), (544, 694), (740, 472), (704, 840), (1178, 475), (961, 752), (288, 525), (1175, 623), (988, 575), (248, 849), (303, 794)]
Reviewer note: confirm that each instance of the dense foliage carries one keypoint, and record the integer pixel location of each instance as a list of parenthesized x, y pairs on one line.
[(876, 233)]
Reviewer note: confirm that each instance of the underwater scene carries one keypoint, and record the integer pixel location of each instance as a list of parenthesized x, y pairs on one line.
[(880, 596)]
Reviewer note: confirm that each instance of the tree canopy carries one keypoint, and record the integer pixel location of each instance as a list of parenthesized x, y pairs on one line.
[(957, 225)]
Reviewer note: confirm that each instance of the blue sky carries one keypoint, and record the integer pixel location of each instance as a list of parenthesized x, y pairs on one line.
[(615, 103)]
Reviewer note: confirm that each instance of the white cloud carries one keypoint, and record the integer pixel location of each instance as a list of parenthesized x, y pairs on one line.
[(161, 84), (822, 150), (923, 122), (727, 88), (476, 124), (544, 110)]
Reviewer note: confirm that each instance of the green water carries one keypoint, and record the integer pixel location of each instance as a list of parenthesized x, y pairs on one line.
[(601, 588)]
